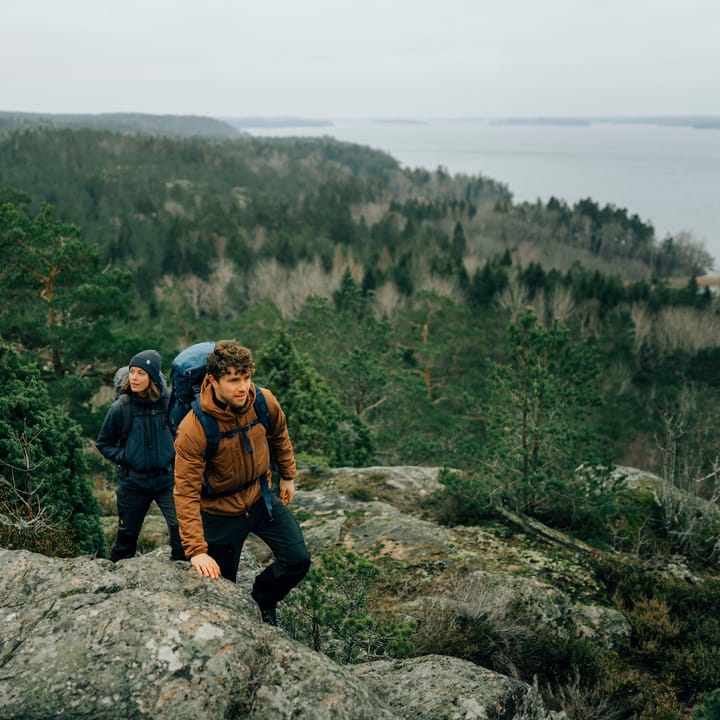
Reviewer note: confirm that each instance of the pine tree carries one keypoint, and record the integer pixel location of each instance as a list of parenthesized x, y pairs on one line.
[(541, 424), (61, 298), (318, 424), (46, 500)]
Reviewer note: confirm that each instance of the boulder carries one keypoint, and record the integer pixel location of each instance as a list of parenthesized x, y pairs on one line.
[(452, 689), (147, 638)]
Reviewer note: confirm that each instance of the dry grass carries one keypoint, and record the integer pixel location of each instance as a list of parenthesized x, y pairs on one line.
[(476, 607)]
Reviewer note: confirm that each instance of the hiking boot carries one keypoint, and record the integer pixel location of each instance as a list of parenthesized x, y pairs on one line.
[(268, 616), (267, 612)]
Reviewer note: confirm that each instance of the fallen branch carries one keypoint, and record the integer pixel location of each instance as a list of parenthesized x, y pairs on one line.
[(543, 532)]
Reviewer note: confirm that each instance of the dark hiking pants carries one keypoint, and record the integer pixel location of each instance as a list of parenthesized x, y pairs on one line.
[(225, 537), (133, 504)]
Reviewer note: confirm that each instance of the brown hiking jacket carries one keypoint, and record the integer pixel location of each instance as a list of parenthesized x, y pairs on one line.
[(231, 468)]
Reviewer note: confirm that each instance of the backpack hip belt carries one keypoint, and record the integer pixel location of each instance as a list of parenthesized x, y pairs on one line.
[(206, 491)]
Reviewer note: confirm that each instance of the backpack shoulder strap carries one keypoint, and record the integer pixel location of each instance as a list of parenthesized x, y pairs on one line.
[(124, 400), (209, 425), (261, 408), (167, 412)]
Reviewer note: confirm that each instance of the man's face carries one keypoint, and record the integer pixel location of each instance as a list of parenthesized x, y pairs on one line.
[(232, 388)]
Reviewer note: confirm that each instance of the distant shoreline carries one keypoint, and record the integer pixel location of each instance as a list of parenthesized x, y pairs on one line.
[(242, 123), (692, 121)]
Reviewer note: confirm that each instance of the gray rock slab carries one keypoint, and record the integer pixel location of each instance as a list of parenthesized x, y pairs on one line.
[(147, 638)]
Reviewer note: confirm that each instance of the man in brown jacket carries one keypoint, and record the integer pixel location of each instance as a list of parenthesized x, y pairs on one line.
[(220, 500)]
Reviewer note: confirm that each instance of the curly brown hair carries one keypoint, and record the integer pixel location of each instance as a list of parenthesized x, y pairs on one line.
[(228, 355)]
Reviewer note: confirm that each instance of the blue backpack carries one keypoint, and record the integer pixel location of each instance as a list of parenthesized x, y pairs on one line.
[(187, 372)]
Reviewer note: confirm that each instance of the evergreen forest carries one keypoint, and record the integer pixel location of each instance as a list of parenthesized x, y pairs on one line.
[(403, 316)]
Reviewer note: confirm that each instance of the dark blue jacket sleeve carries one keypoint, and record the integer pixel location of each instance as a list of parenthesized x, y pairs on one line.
[(110, 433)]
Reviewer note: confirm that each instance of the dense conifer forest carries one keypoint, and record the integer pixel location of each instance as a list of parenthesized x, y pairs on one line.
[(403, 316), (396, 286)]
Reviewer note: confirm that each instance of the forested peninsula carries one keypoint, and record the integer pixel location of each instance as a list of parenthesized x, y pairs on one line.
[(405, 317)]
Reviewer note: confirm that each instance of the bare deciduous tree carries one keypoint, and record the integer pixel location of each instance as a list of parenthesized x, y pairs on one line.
[(289, 288), (689, 492), (514, 297), (388, 300), (214, 293), (561, 305), (686, 327), (22, 500), (192, 286), (643, 323), (441, 286)]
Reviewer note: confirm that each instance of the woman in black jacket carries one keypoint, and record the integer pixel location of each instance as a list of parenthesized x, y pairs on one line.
[(137, 436)]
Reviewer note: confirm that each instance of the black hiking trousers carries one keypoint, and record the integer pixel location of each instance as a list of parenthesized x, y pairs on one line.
[(225, 537), (133, 502)]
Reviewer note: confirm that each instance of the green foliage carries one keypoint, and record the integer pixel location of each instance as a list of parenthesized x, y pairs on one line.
[(466, 499), (610, 231), (172, 125), (201, 224), (66, 301), (435, 413), (318, 424), (670, 661), (186, 240), (676, 635), (637, 694), (43, 480), (687, 442), (488, 624), (53, 541), (347, 346), (636, 527), (330, 612), (540, 424), (554, 657), (487, 282), (709, 707), (65, 306), (361, 493)]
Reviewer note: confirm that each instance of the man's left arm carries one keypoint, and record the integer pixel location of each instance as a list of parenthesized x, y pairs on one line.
[(189, 475), (282, 450)]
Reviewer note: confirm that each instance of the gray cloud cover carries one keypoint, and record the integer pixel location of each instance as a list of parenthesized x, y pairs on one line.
[(387, 58)]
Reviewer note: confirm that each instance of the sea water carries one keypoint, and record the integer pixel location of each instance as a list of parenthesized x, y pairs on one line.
[(667, 175)]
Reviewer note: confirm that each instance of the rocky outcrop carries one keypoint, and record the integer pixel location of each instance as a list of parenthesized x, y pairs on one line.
[(545, 571), (148, 638), (451, 690)]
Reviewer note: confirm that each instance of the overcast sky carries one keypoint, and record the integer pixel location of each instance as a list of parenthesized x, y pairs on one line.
[(362, 58)]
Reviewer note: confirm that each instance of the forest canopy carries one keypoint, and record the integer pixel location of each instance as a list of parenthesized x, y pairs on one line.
[(413, 302)]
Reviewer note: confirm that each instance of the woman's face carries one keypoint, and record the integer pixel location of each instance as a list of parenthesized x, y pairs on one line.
[(139, 379)]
